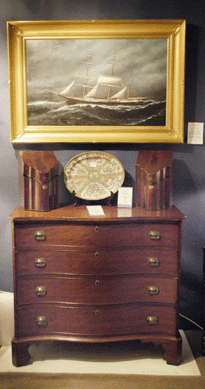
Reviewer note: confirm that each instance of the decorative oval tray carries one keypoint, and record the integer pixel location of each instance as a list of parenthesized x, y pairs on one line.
[(93, 175)]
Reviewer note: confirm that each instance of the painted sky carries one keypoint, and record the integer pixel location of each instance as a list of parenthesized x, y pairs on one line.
[(53, 64)]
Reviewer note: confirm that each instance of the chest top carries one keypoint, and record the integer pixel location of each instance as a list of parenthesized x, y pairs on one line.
[(72, 214)]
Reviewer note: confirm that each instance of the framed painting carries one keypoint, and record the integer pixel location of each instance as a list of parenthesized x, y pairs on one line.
[(116, 81)]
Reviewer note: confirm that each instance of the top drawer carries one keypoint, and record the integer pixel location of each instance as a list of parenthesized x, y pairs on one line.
[(41, 235)]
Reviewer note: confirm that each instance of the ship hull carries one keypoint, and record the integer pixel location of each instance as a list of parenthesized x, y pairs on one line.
[(128, 102)]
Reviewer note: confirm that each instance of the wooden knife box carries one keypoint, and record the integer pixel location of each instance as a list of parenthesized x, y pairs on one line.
[(153, 179), (38, 180)]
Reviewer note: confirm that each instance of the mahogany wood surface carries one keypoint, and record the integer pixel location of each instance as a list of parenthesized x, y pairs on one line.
[(39, 165), (89, 278), (109, 322), (97, 290), (79, 214), (171, 354), (102, 261), (153, 161), (38, 180), (112, 235), (153, 179)]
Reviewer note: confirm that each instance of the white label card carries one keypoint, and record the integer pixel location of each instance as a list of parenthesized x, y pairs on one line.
[(195, 133), (125, 197), (95, 210), (124, 212)]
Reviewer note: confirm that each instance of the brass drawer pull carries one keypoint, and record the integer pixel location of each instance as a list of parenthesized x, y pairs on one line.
[(97, 229), (41, 291), (154, 235), (153, 290), (97, 283), (97, 312), (41, 321), (153, 261), (97, 255), (152, 320), (40, 235), (40, 262)]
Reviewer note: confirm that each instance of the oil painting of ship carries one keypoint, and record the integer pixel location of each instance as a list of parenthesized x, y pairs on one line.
[(92, 82)]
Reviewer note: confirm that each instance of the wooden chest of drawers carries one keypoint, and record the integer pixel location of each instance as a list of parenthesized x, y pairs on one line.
[(96, 279)]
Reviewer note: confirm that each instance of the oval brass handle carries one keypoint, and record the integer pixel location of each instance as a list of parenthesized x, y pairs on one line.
[(40, 235), (41, 321), (155, 235), (97, 229), (153, 261), (40, 262), (97, 283), (153, 290), (41, 291), (97, 255), (152, 320), (97, 312)]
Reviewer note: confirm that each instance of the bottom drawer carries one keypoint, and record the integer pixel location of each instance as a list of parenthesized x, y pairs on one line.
[(96, 322)]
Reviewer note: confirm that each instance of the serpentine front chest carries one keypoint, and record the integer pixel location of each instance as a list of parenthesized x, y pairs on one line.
[(96, 279)]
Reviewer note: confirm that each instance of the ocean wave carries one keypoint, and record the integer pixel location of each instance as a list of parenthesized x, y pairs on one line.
[(41, 103), (54, 113)]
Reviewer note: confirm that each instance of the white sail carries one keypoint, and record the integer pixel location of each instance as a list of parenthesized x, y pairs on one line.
[(67, 90), (93, 92), (109, 80), (120, 94)]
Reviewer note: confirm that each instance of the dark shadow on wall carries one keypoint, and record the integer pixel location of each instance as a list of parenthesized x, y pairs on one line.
[(34, 5), (182, 180), (191, 300)]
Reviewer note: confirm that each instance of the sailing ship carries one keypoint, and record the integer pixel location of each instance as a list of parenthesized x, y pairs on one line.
[(120, 97)]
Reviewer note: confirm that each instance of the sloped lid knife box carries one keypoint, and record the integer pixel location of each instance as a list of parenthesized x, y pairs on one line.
[(153, 179), (38, 180)]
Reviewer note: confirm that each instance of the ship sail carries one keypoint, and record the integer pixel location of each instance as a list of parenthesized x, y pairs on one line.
[(93, 92), (120, 95), (110, 81), (67, 90)]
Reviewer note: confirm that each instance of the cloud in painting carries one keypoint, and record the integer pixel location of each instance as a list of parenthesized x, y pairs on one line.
[(53, 64)]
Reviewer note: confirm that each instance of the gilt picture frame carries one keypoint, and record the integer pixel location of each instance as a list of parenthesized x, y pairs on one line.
[(99, 81)]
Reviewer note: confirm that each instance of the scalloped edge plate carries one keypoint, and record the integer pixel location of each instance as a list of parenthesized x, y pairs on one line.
[(93, 175)]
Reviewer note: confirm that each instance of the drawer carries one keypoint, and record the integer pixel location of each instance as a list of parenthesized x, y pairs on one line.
[(124, 261), (97, 290), (97, 321), (113, 235)]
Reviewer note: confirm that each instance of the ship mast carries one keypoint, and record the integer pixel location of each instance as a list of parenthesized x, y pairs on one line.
[(129, 87), (86, 77), (112, 70)]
